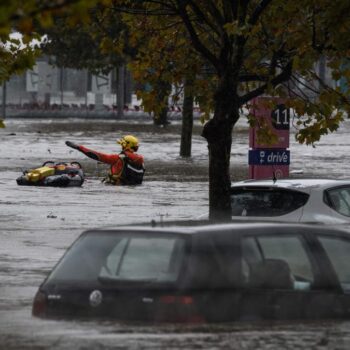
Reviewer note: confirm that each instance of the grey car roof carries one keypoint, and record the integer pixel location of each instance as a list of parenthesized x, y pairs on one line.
[(298, 184), (199, 227)]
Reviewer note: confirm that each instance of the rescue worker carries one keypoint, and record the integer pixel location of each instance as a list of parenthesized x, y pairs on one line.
[(127, 167)]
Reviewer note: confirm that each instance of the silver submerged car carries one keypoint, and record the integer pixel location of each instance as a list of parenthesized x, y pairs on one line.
[(191, 272), (295, 200)]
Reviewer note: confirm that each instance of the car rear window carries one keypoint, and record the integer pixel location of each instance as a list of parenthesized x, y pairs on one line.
[(339, 200), (265, 201), (122, 257)]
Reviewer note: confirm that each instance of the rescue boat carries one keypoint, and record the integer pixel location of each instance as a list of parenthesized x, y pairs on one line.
[(54, 175)]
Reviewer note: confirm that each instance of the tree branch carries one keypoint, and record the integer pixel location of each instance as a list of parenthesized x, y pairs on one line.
[(244, 78), (48, 6), (216, 15), (258, 11), (280, 78), (199, 46)]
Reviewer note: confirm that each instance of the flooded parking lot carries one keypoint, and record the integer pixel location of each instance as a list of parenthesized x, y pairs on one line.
[(38, 224)]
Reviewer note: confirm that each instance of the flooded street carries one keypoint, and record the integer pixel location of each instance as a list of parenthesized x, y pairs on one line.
[(38, 224)]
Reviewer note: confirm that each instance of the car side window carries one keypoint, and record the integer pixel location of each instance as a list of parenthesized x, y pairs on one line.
[(265, 201), (279, 262), (338, 251), (339, 200)]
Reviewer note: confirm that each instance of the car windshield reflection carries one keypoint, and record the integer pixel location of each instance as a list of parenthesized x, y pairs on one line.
[(122, 258)]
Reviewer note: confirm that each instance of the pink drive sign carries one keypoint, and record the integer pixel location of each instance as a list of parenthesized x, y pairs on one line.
[(275, 115)]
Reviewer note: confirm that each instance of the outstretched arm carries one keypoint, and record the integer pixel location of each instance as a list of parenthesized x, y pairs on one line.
[(99, 156)]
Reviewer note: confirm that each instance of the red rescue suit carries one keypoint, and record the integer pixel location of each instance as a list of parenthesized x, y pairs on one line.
[(127, 167)]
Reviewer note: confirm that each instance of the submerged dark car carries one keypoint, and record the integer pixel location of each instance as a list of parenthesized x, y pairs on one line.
[(202, 273)]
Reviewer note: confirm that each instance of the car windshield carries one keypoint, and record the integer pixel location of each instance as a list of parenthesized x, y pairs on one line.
[(265, 201), (121, 257)]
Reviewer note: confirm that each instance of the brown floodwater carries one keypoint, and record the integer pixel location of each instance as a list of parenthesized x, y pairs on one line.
[(38, 224)]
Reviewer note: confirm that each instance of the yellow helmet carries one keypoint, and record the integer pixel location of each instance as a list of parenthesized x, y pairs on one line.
[(129, 143)]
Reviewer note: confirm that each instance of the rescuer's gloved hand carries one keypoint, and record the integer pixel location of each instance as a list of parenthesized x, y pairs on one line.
[(72, 145)]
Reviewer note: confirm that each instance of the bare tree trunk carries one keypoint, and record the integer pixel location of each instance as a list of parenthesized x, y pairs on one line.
[(86, 90), (322, 71), (187, 120), (120, 92), (161, 118), (61, 85), (163, 92), (218, 133), (219, 137), (4, 99)]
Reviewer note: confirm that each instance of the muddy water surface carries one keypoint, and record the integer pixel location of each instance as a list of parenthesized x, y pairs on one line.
[(38, 224)]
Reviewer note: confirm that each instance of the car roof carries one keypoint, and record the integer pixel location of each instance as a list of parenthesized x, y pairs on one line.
[(205, 226), (296, 184)]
